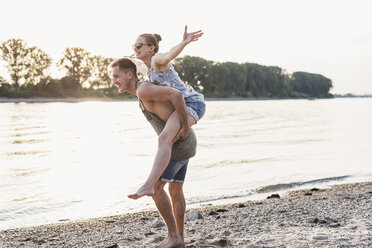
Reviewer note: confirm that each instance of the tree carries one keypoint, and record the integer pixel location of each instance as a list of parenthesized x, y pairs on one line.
[(77, 65), (218, 81), (25, 65), (99, 72), (3, 86), (312, 85), (274, 80), (37, 61), (193, 71), (2, 80), (50, 87), (234, 79), (254, 82), (14, 52)]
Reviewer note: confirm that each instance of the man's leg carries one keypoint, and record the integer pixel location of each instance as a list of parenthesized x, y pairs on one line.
[(164, 207), (178, 205)]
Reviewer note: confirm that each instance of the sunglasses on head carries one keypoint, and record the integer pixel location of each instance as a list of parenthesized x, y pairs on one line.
[(139, 45)]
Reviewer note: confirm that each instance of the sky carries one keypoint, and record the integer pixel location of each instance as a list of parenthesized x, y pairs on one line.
[(329, 37)]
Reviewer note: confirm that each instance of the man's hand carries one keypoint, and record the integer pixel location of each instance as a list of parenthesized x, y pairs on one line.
[(182, 134)]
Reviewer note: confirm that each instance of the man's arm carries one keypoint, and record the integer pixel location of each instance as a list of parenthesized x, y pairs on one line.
[(155, 93)]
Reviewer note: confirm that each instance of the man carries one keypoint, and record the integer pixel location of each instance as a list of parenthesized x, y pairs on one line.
[(158, 103)]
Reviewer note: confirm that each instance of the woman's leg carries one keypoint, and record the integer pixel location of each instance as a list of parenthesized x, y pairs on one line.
[(163, 154)]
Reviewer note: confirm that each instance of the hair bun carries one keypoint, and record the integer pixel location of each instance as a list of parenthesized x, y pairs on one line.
[(157, 37)]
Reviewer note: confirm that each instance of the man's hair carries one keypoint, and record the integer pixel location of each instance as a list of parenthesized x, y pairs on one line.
[(125, 64)]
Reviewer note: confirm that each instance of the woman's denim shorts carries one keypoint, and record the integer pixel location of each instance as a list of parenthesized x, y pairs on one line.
[(196, 109)]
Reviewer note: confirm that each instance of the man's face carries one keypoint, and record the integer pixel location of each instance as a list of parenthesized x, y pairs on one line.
[(120, 78)]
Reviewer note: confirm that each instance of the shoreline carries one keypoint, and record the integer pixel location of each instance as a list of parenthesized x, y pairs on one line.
[(67, 99), (107, 99), (340, 216)]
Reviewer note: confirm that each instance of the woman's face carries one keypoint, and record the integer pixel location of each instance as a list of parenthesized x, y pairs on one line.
[(142, 49)]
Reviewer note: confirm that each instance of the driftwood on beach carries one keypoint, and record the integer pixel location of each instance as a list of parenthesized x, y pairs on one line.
[(340, 216)]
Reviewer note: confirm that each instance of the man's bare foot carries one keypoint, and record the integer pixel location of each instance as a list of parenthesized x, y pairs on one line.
[(144, 190), (162, 243), (173, 242)]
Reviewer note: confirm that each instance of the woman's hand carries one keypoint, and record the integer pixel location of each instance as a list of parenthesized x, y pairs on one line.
[(160, 61), (189, 37)]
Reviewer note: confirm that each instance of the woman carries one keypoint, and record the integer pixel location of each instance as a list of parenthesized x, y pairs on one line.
[(162, 72)]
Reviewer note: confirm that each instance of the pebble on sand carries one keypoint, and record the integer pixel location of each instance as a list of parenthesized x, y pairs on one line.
[(295, 220), (274, 196), (157, 223), (193, 215)]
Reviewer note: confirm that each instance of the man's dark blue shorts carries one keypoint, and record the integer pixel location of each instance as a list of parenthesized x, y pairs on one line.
[(175, 172)]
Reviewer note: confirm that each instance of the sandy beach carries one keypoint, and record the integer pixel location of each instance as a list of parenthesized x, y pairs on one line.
[(340, 216)]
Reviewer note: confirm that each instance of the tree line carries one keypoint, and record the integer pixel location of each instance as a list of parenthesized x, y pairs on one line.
[(229, 79), (86, 75)]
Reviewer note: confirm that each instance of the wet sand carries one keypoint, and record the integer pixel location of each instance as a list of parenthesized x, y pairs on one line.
[(340, 216)]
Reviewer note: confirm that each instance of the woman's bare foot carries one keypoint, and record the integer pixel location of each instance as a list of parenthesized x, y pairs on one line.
[(144, 190)]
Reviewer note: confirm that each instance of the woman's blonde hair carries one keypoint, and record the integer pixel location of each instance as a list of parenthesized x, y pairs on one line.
[(152, 40)]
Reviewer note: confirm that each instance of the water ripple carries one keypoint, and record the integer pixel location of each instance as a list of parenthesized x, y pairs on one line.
[(20, 173), (30, 141), (286, 186), (27, 134), (26, 153), (236, 162)]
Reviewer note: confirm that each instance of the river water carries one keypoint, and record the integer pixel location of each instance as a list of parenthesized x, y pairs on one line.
[(64, 161)]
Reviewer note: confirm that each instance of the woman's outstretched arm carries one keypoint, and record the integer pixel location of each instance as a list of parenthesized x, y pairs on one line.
[(162, 59)]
